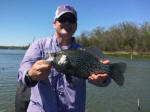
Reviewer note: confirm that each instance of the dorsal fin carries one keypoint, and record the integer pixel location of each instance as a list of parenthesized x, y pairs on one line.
[(95, 51)]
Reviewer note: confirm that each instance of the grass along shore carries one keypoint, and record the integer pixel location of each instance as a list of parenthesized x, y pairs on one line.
[(135, 55)]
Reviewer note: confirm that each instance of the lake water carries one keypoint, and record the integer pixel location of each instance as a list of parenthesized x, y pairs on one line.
[(110, 99)]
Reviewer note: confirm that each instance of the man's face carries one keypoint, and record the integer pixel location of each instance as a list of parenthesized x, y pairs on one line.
[(66, 24)]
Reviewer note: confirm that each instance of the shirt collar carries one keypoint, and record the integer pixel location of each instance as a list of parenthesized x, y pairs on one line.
[(56, 41)]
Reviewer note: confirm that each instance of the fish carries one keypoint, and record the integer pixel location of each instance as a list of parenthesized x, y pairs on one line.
[(81, 62)]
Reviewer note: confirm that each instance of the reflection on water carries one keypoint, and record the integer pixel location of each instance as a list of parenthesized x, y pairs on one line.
[(110, 99)]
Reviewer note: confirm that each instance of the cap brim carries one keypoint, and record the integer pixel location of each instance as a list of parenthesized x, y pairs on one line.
[(56, 17)]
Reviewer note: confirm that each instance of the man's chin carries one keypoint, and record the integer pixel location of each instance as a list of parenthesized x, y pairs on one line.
[(65, 33)]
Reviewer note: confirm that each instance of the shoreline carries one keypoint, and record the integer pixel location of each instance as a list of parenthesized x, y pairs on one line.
[(124, 54), (14, 47)]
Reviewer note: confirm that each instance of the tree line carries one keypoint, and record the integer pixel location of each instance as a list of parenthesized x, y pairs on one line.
[(126, 36)]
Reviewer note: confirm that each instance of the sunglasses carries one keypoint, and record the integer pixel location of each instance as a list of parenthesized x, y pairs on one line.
[(70, 19)]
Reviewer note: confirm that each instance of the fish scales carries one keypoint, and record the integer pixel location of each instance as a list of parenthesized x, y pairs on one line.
[(80, 63)]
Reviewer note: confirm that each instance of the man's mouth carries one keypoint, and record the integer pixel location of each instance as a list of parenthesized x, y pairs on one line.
[(67, 29)]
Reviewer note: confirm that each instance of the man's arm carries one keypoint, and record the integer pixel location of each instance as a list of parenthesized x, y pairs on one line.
[(30, 62)]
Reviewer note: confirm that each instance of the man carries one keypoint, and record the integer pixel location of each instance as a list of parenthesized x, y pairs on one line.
[(50, 91)]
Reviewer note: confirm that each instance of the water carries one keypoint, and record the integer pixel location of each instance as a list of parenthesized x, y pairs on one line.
[(9, 63), (110, 99), (123, 99)]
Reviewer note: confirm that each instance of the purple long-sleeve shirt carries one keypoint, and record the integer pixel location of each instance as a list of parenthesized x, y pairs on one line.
[(54, 94)]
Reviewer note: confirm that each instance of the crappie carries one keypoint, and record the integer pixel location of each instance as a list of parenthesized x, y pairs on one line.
[(80, 63)]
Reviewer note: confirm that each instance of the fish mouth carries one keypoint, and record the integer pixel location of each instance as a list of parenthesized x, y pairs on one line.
[(49, 58)]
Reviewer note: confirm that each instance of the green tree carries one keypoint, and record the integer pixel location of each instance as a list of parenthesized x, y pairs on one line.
[(83, 39)]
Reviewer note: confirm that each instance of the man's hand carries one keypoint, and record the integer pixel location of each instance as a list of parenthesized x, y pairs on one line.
[(97, 77), (39, 71)]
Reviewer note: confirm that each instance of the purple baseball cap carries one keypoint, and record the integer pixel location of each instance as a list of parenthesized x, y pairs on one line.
[(64, 9)]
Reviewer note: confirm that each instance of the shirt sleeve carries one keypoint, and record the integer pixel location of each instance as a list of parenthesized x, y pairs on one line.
[(105, 84), (31, 56)]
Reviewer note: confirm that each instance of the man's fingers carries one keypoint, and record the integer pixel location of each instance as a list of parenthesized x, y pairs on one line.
[(41, 62), (40, 65), (106, 62), (97, 76), (102, 75), (45, 66), (93, 76)]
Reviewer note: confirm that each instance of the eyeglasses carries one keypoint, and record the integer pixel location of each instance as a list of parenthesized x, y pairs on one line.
[(70, 19)]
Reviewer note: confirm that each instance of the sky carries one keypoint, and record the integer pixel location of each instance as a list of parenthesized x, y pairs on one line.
[(23, 21)]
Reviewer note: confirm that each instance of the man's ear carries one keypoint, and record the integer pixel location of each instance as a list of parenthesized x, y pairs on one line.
[(54, 23)]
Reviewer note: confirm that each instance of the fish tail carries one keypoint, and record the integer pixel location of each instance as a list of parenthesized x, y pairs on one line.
[(118, 70)]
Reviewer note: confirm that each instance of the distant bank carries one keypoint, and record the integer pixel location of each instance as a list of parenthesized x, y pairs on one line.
[(14, 47), (145, 55), (133, 55)]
